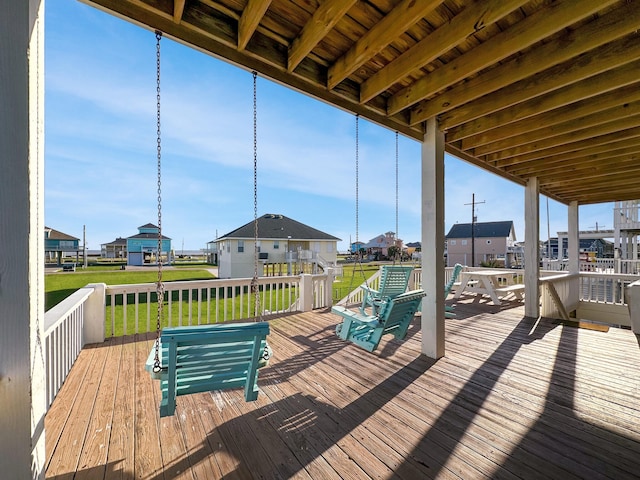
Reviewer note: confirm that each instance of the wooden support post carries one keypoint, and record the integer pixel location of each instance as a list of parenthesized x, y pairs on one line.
[(531, 254), (22, 355), (433, 313), (573, 232)]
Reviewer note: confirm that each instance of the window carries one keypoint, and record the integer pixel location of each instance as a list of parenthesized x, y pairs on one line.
[(240, 246), (329, 247), (452, 242), (463, 242), (276, 244)]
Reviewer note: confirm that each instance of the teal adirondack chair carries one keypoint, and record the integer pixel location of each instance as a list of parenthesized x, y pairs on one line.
[(393, 281), (394, 317), (449, 309), (209, 357)]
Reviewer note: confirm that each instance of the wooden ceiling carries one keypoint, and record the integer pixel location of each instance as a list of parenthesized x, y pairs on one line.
[(521, 88)]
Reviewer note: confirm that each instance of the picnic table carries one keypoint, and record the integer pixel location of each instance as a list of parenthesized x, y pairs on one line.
[(488, 282)]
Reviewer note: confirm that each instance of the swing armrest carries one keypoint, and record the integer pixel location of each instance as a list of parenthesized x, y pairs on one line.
[(148, 366)]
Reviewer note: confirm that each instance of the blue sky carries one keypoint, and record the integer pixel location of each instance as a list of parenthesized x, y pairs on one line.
[(100, 152)]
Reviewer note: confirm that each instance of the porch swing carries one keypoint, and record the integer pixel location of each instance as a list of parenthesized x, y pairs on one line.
[(203, 358), (392, 307)]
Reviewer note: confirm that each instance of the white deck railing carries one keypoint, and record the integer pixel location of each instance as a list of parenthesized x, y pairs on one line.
[(63, 338), (601, 265), (211, 301)]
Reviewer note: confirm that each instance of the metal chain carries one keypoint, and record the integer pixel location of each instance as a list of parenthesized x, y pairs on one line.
[(357, 180), (159, 284), (254, 281), (397, 234)]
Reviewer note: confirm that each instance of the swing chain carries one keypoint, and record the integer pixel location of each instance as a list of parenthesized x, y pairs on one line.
[(159, 284), (254, 281)]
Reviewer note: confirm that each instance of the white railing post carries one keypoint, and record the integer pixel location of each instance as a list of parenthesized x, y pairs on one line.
[(94, 315), (328, 289), (306, 292), (632, 296)]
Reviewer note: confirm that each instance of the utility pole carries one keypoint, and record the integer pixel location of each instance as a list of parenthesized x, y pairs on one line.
[(473, 228)]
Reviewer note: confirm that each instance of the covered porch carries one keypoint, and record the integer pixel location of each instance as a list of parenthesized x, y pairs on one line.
[(512, 398), (541, 93)]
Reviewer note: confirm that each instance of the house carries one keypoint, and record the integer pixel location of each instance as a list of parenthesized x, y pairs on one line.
[(378, 247), (414, 249), (356, 247), (488, 241), (142, 248), (280, 240), (56, 244), (115, 249)]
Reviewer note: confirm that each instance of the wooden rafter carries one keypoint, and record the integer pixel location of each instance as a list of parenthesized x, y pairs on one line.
[(556, 17), (491, 130), (597, 155), (470, 20), (621, 117), (250, 19), (323, 20), (601, 61), (178, 10), (405, 15), (568, 151)]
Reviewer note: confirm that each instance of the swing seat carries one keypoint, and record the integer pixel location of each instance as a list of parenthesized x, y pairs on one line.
[(209, 357), (394, 318), (393, 282)]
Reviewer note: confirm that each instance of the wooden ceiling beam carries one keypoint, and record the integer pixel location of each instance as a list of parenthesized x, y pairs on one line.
[(564, 149), (592, 35), (250, 19), (617, 80), (473, 18), (579, 172), (587, 157), (595, 185), (585, 127), (178, 9), (323, 20), (393, 25), (493, 130), (617, 196), (582, 69)]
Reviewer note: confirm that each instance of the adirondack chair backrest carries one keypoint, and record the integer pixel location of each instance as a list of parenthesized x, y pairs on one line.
[(454, 277), (210, 357), (398, 312), (394, 280)]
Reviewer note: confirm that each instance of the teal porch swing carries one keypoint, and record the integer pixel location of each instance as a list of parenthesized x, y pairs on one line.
[(203, 358)]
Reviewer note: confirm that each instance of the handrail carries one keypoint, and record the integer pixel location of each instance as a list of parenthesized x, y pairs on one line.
[(63, 338)]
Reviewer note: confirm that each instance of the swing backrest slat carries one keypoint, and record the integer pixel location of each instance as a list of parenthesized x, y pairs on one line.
[(207, 358)]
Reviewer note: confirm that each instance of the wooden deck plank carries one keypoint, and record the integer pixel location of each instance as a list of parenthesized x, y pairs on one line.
[(121, 448), (64, 463), (58, 413), (93, 459), (505, 402), (148, 459)]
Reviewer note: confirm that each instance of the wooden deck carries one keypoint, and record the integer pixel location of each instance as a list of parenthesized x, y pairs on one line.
[(508, 401)]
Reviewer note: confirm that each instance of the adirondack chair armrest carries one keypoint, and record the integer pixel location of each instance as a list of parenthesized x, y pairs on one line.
[(369, 291)]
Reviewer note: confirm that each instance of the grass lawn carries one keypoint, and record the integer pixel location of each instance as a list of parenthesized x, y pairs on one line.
[(59, 286)]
